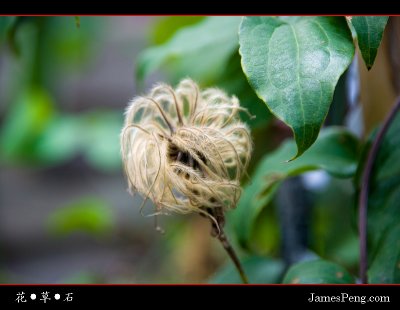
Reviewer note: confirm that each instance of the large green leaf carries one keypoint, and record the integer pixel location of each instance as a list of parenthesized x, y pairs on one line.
[(234, 82), (335, 151), (194, 51), (257, 269), (293, 64), (317, 272), (384, 210), (369, 34)]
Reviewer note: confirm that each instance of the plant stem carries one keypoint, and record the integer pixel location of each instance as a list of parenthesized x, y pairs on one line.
[(232, 254), (217, 231), (363, 199)]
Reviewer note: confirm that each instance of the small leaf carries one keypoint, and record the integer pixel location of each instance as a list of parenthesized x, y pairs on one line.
[(293, 64), (317, 272), (196, 51), (369, 34), (257, 269), (89, 215), (384, 211), (336, 151)]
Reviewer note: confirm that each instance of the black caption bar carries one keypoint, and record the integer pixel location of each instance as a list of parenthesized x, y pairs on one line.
[(201, 295)]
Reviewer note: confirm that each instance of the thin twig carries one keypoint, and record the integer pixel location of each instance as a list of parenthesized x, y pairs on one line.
[(217, 231), (232, 254), (363, 200)]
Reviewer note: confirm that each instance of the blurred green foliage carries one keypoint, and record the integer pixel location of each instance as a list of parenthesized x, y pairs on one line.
[(335, 151), (265, 233), (26, 120), (258, 270), (83, 277), (35, 133), (317, 272), (333, 233), (192, 51), (166, 27), (35, 129), (88, 215), (211, 60), (5, 25)]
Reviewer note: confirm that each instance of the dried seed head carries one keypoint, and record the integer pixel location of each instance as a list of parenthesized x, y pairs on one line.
[(185, 149)]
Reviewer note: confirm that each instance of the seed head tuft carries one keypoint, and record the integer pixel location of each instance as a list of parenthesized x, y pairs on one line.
[(185, 149)]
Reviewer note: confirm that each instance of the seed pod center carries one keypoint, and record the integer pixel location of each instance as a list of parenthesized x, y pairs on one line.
[(178, 155)]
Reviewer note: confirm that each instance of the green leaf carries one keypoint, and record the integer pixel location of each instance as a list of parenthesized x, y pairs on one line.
[(257, 269), (266, 234), (317, 272), (194, 51), (369, 34), (332, 225), (384, 211), (89, 215), (293, 64), (385, 267), (234, 82), (336, 151)]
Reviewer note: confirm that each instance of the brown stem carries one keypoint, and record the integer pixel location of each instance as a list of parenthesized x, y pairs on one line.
[(217, 218), (232, 254), (363, 199), (217, 231)]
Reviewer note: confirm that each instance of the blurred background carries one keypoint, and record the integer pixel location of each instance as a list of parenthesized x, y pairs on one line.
[(65, 214)]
